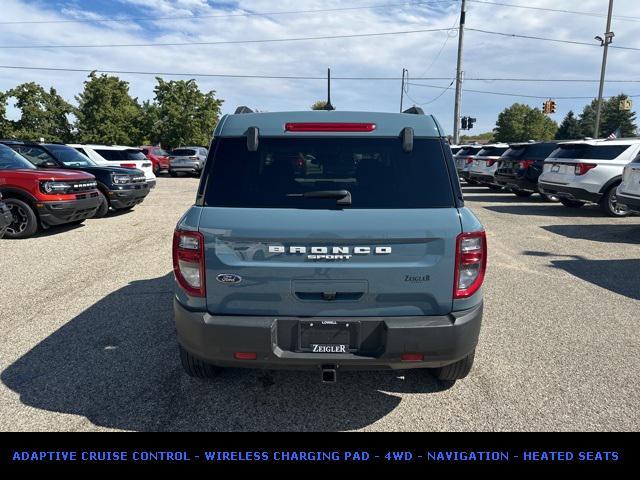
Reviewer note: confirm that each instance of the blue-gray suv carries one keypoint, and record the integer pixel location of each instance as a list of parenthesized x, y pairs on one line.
[(329, 240)]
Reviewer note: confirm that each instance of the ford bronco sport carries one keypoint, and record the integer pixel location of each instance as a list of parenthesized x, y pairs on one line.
[(365, 259), (43, 198)]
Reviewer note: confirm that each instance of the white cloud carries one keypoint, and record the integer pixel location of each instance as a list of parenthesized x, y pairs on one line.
[(485, 55)]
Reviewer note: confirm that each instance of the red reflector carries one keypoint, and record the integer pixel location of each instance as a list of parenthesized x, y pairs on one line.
[(128, 165), (412, 357), (245, 355), (330, 127)]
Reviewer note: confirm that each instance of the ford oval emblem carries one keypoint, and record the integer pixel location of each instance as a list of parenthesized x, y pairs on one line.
[(229, 278)]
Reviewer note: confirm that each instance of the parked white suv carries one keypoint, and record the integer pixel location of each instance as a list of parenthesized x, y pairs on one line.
[(589, 171), (463, 159), (629, 189), (119, 156), (483, 168)]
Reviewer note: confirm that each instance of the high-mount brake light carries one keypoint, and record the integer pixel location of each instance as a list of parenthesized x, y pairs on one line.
[(471, 263), (188, 262), (582, 168), (329, 127)]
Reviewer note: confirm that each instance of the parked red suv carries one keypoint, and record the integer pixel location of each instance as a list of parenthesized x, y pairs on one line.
[(158, 157), (42, 198)]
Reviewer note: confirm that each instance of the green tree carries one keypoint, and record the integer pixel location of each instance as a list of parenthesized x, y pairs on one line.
[(486, 137), (612, 117), (149, 120), (569, 128), (520, 123), (319, 105), (183, 115), (106, 112), (5, 125), (43, 114)]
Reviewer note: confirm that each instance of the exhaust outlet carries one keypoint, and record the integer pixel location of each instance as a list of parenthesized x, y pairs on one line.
[(329, 374)]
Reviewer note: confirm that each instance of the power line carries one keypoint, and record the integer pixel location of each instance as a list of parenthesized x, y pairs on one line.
[(229, 15), (301, 77), (509, 94), (556, 40), (556, 10), (228, 42)]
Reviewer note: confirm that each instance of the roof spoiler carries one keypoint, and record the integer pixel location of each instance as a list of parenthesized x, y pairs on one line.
[(243, 109), (414, 110)]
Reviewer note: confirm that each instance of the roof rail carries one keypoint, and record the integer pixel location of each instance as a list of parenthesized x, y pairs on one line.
[(243, 109), (414, 110)]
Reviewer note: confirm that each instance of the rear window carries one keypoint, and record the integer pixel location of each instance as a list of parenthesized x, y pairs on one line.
[(468, 151), (10, 160), (376, 171), (536, 151), (492, 152), (110, 154), (596, 152), (184, 152), (117, 155)]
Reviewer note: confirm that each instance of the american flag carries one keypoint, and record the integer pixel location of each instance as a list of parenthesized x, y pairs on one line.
[(614, 134)]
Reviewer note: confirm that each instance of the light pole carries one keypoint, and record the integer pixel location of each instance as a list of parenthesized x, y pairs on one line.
[(456, 109), (604, 42)]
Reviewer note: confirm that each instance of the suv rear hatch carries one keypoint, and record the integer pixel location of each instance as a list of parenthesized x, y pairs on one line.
[(390, 252), (572, 160)]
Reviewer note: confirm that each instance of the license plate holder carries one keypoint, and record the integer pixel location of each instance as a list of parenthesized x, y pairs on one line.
[(328, 336)]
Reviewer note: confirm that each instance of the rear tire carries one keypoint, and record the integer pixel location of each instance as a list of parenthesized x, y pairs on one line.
[(103, 209), (571, 203), (455, 371), (194, 367), (173, 174), (522, 193), (25, 221), (495, 188), (609, 204)]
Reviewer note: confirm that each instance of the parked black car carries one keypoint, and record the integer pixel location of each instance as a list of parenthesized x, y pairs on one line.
[(521, 165), (119, 188), (5, 217)]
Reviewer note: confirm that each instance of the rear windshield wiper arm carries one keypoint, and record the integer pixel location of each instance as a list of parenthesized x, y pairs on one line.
[(343, 197)]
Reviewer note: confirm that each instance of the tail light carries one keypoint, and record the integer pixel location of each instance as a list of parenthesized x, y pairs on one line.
[(471, 263), (582, 168), (469, 160), (524, 164), (128, 165), (188, 262), (490, 163)]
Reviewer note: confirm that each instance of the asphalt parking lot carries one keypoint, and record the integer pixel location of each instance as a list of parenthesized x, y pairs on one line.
[(87, 339)]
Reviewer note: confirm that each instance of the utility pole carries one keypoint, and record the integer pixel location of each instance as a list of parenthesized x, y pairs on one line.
[(402, 89), (608, 38), (456, 110)]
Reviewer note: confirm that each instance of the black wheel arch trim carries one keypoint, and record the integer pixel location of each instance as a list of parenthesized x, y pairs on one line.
[(20, 194)]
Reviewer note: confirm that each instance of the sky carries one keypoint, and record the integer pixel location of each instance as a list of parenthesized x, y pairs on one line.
[(423, 54)]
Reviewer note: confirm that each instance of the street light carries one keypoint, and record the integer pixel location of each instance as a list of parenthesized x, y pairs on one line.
[(604, 42)]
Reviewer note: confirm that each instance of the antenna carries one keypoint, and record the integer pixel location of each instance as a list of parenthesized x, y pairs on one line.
[(328, 106)]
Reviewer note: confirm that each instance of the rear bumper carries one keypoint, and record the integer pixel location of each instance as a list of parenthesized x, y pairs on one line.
[(571, 193), (632, 203), (186, 167), (482, 178), (59, 213), (515, 183), (381, 340), (128, 197)]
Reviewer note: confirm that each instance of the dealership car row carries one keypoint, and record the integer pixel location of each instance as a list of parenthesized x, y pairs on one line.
[(575, 173), (49, 184)]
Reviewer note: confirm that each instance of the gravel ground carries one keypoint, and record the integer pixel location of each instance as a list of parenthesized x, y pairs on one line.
[(87, 339)]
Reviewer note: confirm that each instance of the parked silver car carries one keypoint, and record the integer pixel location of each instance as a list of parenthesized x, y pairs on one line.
[(189, 160)]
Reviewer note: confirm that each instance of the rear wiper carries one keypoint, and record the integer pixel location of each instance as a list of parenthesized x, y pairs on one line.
[(343, 197)]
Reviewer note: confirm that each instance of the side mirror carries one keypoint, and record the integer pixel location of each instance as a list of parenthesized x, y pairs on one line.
[(407, 139), (253, 134)]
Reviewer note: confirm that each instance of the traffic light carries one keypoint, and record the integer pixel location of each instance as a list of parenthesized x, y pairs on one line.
[(552, 106), (545, 107), (470, 122), (465, 123)]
